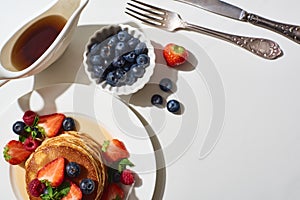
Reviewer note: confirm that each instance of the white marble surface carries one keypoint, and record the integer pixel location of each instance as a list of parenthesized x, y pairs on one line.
[(257, 156)]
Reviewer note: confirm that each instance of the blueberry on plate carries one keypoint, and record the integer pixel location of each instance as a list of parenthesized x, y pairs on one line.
[(87, 186), (173, 106), (19, 128), (156, 99), (165, 84), (72, 169), (68, 124)]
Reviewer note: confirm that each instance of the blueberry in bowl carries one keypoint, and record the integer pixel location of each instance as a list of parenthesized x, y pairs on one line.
[(119, 59)]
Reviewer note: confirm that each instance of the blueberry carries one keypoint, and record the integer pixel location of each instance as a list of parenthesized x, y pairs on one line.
[(119, 61), (112, 41), (130, 57), (68, 124), (95, 59), (156, 99), (73, 169), (119, 73), (95, 48), (37, 132), (19, 128), (87, 186), (165, 84), (137, 70), (133, 42), (173, 106), (123, 36), (140, 48), (98, 71), (111, 78), (143, 60), (106, 52), (120, 49), (130, 78)]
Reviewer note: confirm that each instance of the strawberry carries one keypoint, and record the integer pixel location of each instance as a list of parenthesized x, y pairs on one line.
[(53, 172), (112, 192), (114, 150), (74, 193), (51, 123), (175, 54), (15, 153)]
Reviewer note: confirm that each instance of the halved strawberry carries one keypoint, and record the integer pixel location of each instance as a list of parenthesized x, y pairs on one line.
[(112, 192), (51, 123), (74, 193), (53, 172), (15, 153), (114, 150)]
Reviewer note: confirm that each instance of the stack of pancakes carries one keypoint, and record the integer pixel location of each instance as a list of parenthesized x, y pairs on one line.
[(74, 147)]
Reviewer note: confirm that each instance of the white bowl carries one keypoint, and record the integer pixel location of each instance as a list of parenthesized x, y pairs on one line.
[(104, 33)]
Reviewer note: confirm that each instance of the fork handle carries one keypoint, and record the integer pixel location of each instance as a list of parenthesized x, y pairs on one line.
[(292, 32), (264, 48)]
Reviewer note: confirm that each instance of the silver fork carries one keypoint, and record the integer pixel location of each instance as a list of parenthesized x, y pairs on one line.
[(172, 21)]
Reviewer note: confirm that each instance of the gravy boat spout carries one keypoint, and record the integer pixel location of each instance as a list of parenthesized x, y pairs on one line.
[(41, 41)]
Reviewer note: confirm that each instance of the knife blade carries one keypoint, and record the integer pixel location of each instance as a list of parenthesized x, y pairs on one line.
[(290, 31)]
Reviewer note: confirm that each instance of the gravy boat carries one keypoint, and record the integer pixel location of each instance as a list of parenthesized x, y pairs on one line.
[(70, 10)]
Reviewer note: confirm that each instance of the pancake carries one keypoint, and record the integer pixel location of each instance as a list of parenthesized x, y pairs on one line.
[(74, 147)]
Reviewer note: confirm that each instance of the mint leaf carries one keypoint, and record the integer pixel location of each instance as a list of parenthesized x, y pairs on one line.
[(105, 145), (36, 120), (124, 163), (27, 129), (22, 138)]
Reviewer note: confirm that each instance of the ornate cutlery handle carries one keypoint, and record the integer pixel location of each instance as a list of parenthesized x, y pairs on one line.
[(290, 31), (264, 48)]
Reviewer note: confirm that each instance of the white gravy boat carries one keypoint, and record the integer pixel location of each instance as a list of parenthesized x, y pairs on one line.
[(70, 10)]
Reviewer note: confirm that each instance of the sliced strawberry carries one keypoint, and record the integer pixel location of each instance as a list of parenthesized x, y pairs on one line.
[(51, 123), (114, 150), (112, 192), (74, 193), (15, 153), (53, 172)]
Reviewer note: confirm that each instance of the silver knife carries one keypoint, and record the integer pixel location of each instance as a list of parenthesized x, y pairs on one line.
[(292, 32)]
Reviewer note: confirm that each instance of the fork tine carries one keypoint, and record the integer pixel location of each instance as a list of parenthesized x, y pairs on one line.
[(146, 10), (142, 19), (150, 6), (149, 17)]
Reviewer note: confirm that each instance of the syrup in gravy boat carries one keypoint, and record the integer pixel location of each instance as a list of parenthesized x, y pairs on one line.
[(41, 41)]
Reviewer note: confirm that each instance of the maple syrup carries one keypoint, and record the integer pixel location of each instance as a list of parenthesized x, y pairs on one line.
[(36, 40)]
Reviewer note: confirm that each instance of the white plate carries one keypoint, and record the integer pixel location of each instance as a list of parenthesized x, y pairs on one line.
[(82, 102)]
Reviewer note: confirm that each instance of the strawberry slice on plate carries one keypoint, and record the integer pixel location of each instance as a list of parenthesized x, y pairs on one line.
[(53, 172), (51, 123), (15, 153), (74, 193), (112, 192), (114, 150)]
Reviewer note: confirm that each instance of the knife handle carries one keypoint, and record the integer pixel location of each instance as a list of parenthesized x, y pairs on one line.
[(292, 32)]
